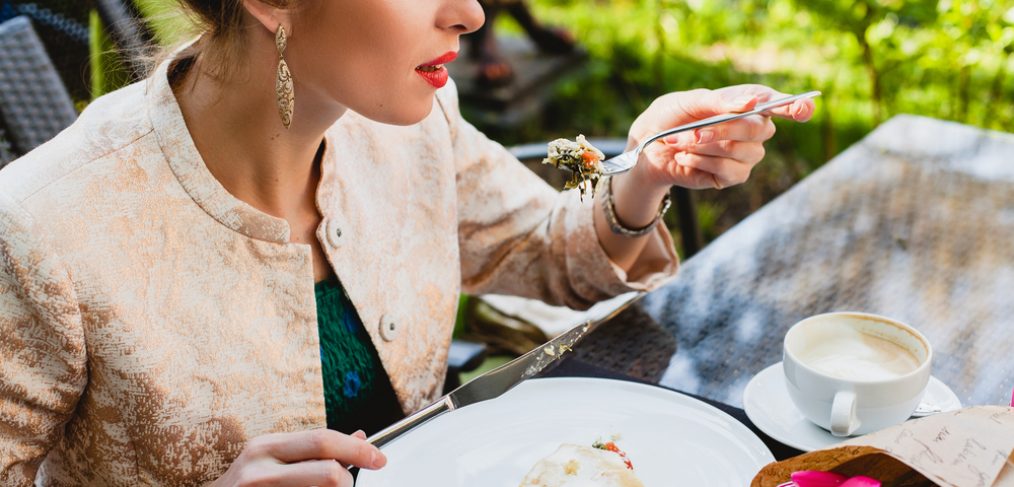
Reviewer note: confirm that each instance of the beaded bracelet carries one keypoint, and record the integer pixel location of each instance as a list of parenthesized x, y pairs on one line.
[(614, 223)]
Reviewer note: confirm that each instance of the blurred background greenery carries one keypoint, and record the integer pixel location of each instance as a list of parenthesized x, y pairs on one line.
[(948, 59)]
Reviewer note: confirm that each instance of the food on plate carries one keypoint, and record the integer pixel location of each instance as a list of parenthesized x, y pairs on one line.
[(581, 158), (601, 465)]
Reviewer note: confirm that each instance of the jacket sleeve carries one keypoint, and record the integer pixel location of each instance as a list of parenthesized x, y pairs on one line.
[(519, 236), (42, 348)]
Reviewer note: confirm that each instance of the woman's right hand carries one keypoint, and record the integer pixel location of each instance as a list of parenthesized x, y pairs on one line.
[(316, 457)]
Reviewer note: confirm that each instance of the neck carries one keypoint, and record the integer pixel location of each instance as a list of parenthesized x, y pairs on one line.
[(237, 130)]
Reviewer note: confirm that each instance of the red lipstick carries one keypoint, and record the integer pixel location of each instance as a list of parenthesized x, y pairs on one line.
[(434, 71)]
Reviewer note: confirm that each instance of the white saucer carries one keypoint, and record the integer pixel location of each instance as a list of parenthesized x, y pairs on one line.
[(768, 406)]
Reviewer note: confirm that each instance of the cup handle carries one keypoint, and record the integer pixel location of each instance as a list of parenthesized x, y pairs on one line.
[(843, 414)]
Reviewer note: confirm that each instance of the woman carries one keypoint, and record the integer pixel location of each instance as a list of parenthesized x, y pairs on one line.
[(200, 274)]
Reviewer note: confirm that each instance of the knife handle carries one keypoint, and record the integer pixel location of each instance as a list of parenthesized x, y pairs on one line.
[(392, 432)]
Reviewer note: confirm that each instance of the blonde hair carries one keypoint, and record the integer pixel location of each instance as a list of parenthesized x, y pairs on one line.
[(220, 24)]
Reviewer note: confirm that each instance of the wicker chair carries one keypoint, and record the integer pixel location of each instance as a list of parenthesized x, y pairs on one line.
[(34, 104), (6, 151), (63, 27)]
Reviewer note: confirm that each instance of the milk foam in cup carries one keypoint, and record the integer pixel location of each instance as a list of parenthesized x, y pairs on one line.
[(855, 373)]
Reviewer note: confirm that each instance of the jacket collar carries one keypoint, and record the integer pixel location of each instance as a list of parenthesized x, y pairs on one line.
[(187, 164)]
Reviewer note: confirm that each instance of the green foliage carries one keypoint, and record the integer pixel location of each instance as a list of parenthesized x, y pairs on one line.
[(873, 59), (166, 19), (107, 72)]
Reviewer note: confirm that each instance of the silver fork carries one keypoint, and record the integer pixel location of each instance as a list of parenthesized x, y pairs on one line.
[(626, 161)]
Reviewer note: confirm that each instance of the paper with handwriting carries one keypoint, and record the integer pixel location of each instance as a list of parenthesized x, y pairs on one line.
[(969, 447)]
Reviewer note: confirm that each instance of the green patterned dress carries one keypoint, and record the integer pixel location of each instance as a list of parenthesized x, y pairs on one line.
[(357, 391)]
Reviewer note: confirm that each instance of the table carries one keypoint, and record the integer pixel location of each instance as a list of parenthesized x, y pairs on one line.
[(915, 222)]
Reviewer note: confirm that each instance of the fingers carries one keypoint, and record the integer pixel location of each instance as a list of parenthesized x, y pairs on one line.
[(799, 110), (323, 473), (742, 152), (320, 444), (699, 104), (721, 172), (755, 128), (741, 140), (750, 129)]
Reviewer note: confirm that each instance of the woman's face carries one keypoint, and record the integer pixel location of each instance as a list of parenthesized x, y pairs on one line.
[(380, 58)]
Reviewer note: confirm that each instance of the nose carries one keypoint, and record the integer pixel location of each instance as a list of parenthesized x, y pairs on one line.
[(461, 16)]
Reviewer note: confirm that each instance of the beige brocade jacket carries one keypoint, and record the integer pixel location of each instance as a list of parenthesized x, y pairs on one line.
[(151, 323)]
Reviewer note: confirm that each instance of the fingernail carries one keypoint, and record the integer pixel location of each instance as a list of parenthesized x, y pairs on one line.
[(705, 136)]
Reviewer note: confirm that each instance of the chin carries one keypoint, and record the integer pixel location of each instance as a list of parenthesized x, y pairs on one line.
[(406, 114)]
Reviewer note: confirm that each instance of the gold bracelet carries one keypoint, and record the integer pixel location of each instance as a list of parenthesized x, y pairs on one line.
[(614, 223)]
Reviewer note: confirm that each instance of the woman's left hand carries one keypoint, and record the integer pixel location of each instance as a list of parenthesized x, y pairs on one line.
[(718, 156)]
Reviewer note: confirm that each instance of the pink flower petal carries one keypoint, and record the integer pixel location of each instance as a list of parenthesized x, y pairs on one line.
[(814, 478), (861, 481)]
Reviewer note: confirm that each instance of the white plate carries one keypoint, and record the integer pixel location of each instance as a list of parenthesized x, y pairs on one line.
[(670, 438), (767, 404)]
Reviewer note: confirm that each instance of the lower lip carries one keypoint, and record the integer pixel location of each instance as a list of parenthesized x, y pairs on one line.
[(436, 78)]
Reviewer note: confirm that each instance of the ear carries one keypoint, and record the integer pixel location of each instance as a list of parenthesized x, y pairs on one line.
[(268, 15)]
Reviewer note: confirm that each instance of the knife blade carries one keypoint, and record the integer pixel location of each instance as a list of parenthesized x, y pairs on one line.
[(488, 385)]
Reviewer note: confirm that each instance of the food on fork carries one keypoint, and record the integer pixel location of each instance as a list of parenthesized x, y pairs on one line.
[(601, 465), (582, 159)]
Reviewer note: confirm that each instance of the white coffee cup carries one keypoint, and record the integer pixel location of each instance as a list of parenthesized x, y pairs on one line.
[(855, 373)]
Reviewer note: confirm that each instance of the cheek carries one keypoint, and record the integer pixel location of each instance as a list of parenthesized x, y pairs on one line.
[(367, 64), (381, 82), (383, 92)]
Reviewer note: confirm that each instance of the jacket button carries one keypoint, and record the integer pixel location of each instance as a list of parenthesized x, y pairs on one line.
[(388, 329), (334, 232)]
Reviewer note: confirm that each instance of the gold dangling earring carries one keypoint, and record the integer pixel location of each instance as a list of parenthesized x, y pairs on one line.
[(283, 82)]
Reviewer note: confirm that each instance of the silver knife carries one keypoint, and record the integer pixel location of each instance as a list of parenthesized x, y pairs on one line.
[(489, 385)]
